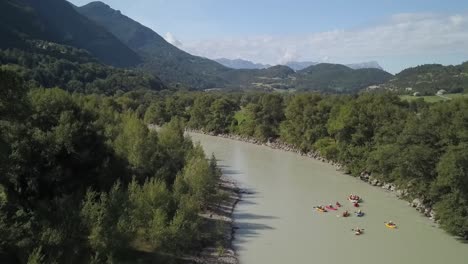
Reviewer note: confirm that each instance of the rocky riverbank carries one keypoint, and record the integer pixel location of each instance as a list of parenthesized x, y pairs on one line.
[(220, 216), (418, 203)]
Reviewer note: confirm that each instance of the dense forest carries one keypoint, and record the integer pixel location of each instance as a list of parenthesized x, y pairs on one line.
[(420, 147), (48, 64), (430, 78), (83, 180)]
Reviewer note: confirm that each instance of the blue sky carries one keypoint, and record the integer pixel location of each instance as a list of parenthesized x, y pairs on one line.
[(397, 34)]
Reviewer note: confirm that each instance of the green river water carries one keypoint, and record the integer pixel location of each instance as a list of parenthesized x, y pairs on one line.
[(277, 222)]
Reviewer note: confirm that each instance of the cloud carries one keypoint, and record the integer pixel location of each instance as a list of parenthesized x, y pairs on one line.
[(401, 35), (171, 39)]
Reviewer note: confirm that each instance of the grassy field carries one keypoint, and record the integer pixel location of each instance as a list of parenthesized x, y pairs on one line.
[(433, 98)]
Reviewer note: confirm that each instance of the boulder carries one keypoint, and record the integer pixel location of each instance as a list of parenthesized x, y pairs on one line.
[(416, 203)]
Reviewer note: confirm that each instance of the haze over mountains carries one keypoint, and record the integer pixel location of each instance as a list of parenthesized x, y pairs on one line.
[(117, 40)]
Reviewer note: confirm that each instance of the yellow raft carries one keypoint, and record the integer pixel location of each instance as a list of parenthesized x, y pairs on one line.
[(392, 226), (320, 210)]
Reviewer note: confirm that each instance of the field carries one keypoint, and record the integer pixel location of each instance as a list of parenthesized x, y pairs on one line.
[(434, 98)]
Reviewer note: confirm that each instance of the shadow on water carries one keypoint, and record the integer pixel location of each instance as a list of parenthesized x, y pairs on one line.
[(249, 216), (230, 172), (245, 231)]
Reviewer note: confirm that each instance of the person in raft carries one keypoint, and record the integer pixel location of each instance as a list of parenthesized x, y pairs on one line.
[(359, 211), (338, 204), (358, 230), (390, 223)]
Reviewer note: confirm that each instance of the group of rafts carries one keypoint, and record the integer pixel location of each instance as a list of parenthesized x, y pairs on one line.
[(355, 200)]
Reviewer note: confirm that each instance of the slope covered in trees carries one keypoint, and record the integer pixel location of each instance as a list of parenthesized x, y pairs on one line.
[(161, 58), (430, 78), (57, 21), (47, 64), (83, 180), (338, 78), (420, 147)]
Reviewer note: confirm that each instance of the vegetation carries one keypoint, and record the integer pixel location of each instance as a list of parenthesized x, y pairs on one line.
[(433, 98), (173, 65), (337, 78), (57, 21), (48, 65), (416, 145), (430, 78), (83, 180)]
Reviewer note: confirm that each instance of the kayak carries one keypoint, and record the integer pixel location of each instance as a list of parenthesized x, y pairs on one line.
[(330, 207), (321, 210), (359, 214), (357, 233), (390, 226)]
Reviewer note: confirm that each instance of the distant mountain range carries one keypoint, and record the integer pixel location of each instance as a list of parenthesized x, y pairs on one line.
[(295, 65), (103, 35), (241, 64)]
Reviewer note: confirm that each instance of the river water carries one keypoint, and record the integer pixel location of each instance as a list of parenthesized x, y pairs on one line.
[(277, 222)]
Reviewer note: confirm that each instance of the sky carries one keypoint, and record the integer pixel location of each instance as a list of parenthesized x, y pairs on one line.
[(398, 34)]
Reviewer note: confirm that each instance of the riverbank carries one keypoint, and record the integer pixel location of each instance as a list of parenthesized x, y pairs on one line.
[(219, 218), (401, 193)]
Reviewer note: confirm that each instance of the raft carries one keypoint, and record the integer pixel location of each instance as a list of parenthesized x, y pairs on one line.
[(321, 210), (359, 214), (354, 200), (390, 226)]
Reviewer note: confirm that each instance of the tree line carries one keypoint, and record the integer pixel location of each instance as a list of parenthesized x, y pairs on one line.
[(83, 179), (418, 146)]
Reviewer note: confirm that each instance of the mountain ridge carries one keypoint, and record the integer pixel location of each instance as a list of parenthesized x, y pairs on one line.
[(57, 21), (172, 64)]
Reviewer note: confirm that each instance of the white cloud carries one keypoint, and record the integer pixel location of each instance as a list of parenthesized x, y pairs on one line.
[(172, 39), (409, 34)]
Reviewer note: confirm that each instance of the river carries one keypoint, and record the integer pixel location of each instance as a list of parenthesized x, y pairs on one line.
[(277, 222)]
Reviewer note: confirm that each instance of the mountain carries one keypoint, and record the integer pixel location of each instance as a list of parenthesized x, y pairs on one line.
[(365, 65), (241, 64), (161, 58), (57, 21), (279, 77), (323, 77), (338, 78), (47, 64), (429, 78), (300, 65)]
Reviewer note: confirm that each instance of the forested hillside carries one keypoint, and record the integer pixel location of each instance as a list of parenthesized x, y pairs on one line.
[(161, 58), (83, 180), (57, 21), (420, 147), (47, 64), (430, 78)]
